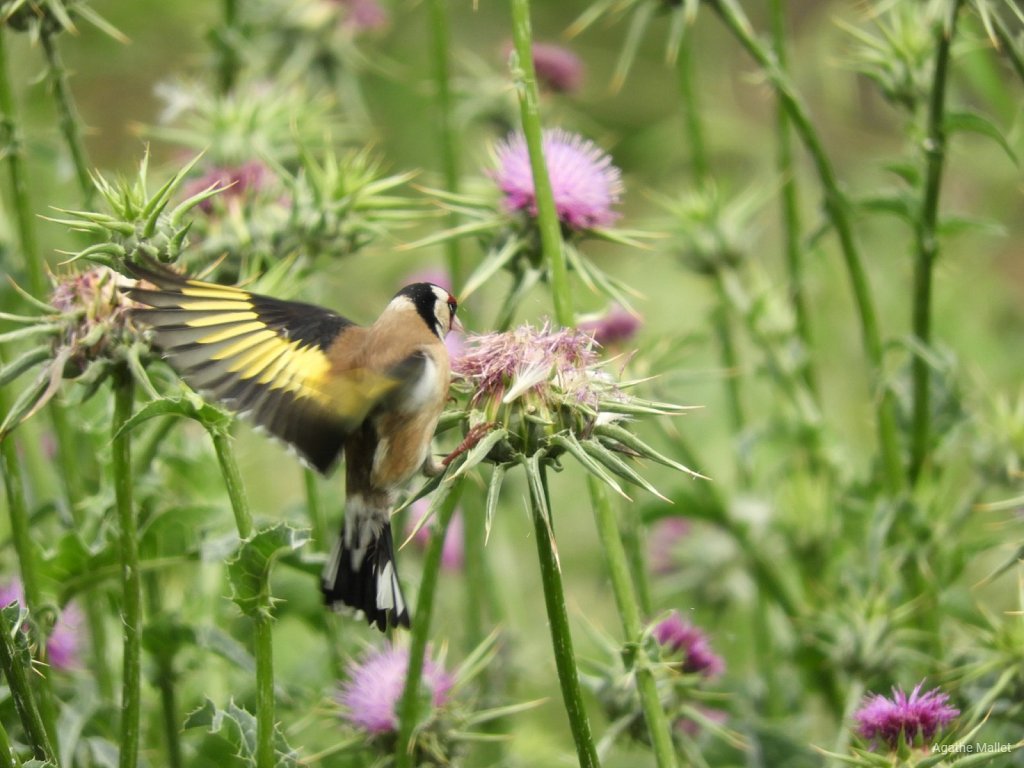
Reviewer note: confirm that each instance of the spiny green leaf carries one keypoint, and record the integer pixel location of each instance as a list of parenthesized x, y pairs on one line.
[(18, 366), (619, 467), (634, 443), (249, 569), (572, 445), (238, 726)]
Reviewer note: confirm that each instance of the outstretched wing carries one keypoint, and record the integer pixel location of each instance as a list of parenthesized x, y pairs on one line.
[(264, 357)]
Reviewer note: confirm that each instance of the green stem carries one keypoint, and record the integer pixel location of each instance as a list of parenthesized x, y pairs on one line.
[(263, 648), (315, 511), (558, 623), (11, 143), (475, 570), (408, 706), (228, 67), (21, 692), (1008, 45), (838, 210), (165, 677), (625, 598), (547, 215), (440, 45), (232, 481), (635, 543), (8, 757), (69, 121), (25, 549), (691, 115), (731, 366), (927, 243), (321, 539), (791, 208), (67, 457), (131, 609)]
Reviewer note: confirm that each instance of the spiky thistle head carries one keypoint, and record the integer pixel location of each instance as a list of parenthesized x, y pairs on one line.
[(913, 718), (585, 185)]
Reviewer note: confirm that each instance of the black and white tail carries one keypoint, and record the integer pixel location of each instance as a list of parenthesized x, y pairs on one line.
[(361, 573)]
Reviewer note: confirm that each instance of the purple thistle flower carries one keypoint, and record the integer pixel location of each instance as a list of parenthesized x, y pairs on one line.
[(62, 646), (451, 552), (540, 363), (236, 182), (584, 182), (558, 69), (370, 695), (678, 635), (918, 716), (613, 327)]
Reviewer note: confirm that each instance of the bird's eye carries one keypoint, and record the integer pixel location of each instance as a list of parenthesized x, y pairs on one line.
[(452, 306)]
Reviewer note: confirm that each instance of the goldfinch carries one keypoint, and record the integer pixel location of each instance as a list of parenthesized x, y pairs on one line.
[(326, 386)]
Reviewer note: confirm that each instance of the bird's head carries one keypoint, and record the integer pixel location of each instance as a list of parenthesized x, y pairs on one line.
[(435, 306)]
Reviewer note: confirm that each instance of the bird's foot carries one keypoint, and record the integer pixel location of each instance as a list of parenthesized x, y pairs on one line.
[(474, 436)]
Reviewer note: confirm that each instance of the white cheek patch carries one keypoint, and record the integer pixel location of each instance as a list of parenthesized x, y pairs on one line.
[(424, 392)]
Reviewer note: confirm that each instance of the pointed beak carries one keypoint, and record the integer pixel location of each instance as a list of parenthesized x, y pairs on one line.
[(457, 325)]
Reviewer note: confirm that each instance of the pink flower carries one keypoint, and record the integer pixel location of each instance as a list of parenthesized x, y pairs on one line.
[(364, 15), (558, 69), (613, 327), (62, 646), (918, 716), (584, 182), (678, 635), (370, 695), (451, 552), (236, 182)]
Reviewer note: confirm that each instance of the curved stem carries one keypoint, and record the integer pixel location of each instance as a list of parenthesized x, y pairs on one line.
[(790, 207), (838, 210), (69, 121), (558, 623), (625, 599), (927, 242), (131, 610), (547, 215), (408, 706), (440, 38)]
